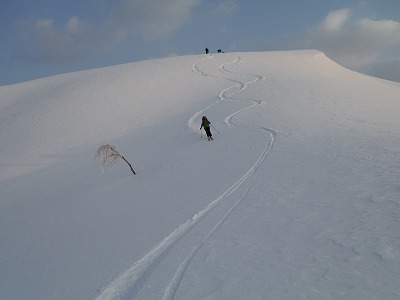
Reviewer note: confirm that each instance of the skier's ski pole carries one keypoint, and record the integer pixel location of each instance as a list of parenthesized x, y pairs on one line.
[(201, 134), (214, 128)]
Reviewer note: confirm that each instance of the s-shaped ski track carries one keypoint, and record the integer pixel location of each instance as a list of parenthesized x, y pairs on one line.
[(173, 286), (129, 283)]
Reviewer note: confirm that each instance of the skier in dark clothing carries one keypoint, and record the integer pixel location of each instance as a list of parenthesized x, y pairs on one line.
[(206, 125), (206, 50)]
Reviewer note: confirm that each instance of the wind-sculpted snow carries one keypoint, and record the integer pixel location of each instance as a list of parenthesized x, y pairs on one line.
[(131, 281)]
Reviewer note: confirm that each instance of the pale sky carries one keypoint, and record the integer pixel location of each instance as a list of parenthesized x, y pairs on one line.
[(47, 37)]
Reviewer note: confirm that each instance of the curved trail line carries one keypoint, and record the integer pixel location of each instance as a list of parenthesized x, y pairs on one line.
[(172, 288), (196, 70), (223, 95), (129, 283)]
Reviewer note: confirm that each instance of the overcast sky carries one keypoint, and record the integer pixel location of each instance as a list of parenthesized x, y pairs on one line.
[(46, 37)]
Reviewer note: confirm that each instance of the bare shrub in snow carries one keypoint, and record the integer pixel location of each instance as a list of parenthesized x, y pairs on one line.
[(109, 155)]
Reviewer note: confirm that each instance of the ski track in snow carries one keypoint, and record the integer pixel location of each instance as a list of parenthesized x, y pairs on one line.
[(131, 281)]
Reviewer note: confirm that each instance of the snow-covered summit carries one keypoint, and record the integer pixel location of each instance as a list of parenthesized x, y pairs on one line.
[(297, 196)]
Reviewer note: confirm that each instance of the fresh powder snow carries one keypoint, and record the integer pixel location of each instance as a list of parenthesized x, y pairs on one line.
[(297, 196)]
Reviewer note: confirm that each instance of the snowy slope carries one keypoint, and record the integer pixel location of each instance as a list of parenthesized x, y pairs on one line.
[(297, 197)]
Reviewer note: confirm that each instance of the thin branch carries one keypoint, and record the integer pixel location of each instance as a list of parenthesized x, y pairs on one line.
[(109, 155)]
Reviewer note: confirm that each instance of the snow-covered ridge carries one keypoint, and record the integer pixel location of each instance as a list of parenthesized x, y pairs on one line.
[(296, 195)]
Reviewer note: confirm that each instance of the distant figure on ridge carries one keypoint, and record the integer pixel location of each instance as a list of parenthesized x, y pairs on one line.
[(206, 50), (206, 125)]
